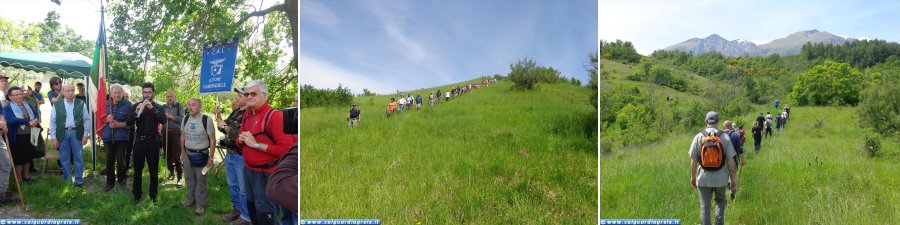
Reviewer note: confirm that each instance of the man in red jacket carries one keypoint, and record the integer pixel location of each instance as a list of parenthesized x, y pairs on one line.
[(263, 142)]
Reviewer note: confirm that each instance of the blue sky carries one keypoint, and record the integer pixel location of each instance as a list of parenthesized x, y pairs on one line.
[(386, 46), (656, 24)]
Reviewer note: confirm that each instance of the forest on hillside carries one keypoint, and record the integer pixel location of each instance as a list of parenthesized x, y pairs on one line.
[(639, 100)]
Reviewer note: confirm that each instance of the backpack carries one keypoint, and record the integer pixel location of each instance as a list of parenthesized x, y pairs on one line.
[(204, 118), (712, 151), (743, 135)]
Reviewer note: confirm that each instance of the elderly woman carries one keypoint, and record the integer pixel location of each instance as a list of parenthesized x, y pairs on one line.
[(20, 117)]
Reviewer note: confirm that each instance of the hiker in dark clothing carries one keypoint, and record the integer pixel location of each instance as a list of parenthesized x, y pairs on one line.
[(760, 120), (736, 142), (353, 117), (757, 136)]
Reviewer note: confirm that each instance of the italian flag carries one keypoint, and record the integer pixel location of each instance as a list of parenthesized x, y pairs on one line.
[(96, 82)]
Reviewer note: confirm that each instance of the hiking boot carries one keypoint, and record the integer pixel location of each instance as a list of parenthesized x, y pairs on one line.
[(108, 188), (186, 203), (199, 211), (233, 215), (178, 184), (153, 199), (171, 177), (122, 186)]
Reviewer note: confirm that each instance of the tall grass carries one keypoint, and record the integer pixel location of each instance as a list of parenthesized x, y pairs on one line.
[(493, 155), (803, 175)]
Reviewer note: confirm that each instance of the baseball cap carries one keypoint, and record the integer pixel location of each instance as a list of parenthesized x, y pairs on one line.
[(712, 117)]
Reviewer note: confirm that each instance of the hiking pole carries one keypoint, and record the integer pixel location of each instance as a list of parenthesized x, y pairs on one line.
[(9, 153)]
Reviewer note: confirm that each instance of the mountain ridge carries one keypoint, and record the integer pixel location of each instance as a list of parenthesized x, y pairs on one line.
[(789, 45)]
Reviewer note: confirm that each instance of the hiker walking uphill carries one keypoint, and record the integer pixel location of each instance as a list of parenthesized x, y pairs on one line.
[(409, 102), (391, 107), (738, 145), (353, 118), (402, 104), (709, 152), (768, 124), (776, 104), (757, 136), (418, 101)]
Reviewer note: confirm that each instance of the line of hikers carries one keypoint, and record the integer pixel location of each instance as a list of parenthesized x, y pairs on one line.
[(407, 103), (712, 149)]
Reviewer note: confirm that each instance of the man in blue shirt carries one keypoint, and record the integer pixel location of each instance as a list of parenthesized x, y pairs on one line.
[(115, 138), (37, 93)]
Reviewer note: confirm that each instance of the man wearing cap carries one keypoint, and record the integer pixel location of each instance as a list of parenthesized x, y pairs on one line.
[(234, 159), (353, 117), (712, 182)]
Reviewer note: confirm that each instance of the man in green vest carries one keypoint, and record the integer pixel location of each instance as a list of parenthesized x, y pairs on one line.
[(67, 122)]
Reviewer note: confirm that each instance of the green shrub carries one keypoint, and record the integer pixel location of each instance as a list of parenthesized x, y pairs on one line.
[(314, 97), (879, 109), (830, 83), (872, 145)]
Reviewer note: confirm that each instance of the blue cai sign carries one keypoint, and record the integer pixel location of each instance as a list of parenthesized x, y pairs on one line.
[(217, 70)]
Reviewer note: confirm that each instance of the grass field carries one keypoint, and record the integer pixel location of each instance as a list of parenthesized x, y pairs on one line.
[(491, 156), (803, 175), (50, 197)]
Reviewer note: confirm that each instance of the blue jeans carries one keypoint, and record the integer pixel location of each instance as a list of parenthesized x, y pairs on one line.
[(260, 208), (234, 175), (70, 145), (288, 217)]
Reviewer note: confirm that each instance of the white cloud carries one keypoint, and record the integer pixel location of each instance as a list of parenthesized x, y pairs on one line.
[(318, 13), (322, 74), (392, 20)]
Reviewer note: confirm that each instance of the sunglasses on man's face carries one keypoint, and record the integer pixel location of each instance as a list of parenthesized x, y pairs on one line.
[(251, 94)]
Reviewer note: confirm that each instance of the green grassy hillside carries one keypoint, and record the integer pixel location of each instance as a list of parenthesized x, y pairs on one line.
[(803, 175), (491, 156)]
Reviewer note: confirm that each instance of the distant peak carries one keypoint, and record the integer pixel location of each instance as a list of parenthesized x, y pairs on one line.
[(810, 31), (714, 36)]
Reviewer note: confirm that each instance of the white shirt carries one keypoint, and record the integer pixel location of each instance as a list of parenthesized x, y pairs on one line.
[(70, 118)]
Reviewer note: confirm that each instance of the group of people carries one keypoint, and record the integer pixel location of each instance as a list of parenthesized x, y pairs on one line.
[(763, 125), (259, 154), (716, 157), (434, 97)]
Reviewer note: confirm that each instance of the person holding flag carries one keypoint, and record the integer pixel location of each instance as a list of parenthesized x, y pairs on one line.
[(115, 138)]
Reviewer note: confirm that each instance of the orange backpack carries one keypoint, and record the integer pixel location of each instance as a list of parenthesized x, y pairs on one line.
[(712, 152)]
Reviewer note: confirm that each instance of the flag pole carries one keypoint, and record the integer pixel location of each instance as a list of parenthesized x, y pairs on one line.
[(87, 102)]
